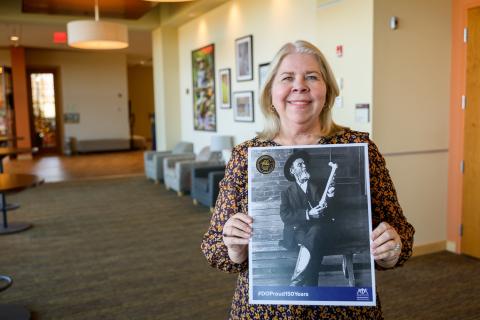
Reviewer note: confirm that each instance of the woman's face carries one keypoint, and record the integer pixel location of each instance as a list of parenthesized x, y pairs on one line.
[(298, 90)]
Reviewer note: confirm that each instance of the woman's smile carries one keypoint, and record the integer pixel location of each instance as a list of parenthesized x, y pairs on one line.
[(299, 92)]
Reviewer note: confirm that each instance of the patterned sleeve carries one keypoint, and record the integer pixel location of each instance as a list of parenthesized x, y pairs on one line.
[(230, 200), (385, 206)]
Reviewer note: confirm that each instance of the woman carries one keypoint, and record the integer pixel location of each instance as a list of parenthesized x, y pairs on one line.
[(296, 100)]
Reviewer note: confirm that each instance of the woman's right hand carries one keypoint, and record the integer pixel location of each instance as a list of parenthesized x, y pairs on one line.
[(236, 234)]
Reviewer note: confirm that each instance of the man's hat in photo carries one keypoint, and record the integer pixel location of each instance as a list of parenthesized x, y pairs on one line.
[(295, 155)]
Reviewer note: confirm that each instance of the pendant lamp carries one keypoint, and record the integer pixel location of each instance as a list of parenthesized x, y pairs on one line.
[(96, 34)]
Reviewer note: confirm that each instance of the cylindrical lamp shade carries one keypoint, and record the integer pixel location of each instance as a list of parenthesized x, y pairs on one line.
[(100, 35)]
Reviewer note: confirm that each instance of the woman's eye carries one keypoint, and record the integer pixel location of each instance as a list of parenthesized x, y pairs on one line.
[(311, 77), (288, 78)]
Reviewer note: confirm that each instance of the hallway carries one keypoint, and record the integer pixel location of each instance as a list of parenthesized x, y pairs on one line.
[(83, 166)]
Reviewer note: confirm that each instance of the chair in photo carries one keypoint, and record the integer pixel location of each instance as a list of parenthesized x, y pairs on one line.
[(153, 160)]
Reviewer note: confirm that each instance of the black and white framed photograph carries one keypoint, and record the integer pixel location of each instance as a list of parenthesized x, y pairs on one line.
[(244, 58), (243, 106), (311, 225), (225, 96), (262, 73)]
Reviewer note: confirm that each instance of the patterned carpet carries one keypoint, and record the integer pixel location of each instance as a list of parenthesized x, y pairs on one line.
[(128, 249)]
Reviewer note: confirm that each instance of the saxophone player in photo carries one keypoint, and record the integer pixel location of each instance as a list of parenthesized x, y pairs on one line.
[(308, 226)]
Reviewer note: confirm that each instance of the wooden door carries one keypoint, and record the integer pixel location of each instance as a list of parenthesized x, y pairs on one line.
[(471, 179), (45, 114)]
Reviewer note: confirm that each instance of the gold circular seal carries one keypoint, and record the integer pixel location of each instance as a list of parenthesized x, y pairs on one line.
[(265, 164)]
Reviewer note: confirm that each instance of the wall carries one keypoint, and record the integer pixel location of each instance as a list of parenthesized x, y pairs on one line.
[(94, 84), (271, 22), (5, 57), (168, 119), (349, 23), (411, 95), (408, 89), (140, 93), (456, 145)]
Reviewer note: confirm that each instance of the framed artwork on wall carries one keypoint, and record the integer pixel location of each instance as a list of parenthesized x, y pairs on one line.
[(225, 88), (203, 75), (244, 58), (262, 73), (243, 106)]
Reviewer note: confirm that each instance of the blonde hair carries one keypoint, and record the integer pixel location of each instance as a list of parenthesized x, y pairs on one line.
[(272, 120)]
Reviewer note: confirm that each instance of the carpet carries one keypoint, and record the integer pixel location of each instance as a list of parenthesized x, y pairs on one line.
[(126, 248)]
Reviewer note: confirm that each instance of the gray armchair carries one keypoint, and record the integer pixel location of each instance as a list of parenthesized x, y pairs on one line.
[(205, 185), (153, 160), (177, 168)]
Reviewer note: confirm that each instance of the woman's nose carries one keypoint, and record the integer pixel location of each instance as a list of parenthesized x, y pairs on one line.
[(299, 85)]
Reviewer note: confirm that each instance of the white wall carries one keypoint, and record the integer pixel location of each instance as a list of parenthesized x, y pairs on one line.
[(271, 22), (166, 87), (94, 84), (349, 23)]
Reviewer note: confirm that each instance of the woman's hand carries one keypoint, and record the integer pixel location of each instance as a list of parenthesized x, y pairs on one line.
[(386, 245), (236, 234)]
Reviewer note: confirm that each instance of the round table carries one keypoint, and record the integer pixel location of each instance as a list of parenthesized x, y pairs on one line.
[(14, 183), (11, 151), (4, 140)]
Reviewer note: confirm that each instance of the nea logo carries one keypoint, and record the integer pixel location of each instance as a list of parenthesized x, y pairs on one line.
[(362, 294)]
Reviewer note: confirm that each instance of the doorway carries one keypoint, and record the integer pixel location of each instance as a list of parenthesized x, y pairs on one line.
[(45, 114), (471, 181)]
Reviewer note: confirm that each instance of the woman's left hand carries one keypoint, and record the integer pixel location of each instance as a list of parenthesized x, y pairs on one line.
[(386, 245)]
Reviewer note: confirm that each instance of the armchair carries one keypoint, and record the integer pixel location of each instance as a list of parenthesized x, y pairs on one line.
[(153, 160), (205, 186), (177, 169)]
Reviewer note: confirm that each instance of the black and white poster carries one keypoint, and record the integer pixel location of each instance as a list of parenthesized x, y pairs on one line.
[(311, 225)]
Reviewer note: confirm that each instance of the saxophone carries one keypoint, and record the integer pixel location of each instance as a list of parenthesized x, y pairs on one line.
[(330, 183)]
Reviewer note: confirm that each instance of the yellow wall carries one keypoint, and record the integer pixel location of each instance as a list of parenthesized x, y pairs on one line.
[(411, 107), (140, 93), (5, 57)]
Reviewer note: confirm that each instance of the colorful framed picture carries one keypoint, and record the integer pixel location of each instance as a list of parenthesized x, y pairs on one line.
[(203, 76), (243, 106), (225, 96), (244, 58), (262, 73)]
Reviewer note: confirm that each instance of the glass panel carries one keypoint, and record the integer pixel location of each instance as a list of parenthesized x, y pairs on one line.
[(43, 103)]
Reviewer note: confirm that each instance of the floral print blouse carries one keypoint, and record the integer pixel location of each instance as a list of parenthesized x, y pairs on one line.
[(233, 198)]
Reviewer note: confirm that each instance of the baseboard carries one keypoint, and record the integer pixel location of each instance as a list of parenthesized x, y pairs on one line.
[(429, 248), (452, 246)]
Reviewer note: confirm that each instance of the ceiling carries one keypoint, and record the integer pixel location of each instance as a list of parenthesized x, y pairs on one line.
[(35, 21), (120, 9)]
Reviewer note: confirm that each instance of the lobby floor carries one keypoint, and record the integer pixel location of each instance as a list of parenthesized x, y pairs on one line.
[(54, 168)]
